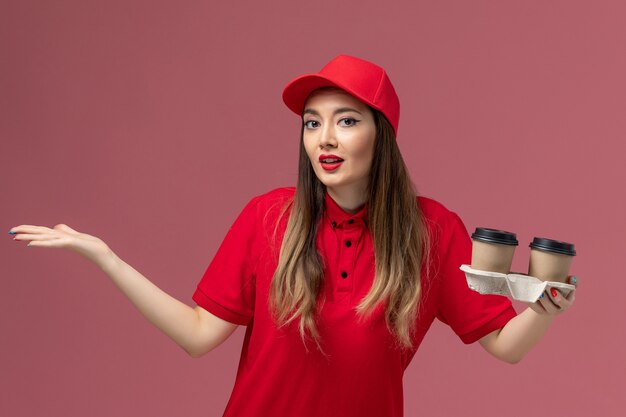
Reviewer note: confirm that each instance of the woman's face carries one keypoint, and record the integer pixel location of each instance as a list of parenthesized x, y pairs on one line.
[(339, 135)]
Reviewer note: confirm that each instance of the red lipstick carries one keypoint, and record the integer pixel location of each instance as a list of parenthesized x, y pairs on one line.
[(330, 162)]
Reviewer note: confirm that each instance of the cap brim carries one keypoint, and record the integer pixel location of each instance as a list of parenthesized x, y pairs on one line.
[(298, 90)]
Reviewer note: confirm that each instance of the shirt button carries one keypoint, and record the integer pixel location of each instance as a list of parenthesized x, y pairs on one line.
[(334, 224), (351, 221), (348, 243), (344, 274)]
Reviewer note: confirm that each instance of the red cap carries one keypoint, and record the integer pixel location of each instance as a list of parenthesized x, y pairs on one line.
[(364, 80)]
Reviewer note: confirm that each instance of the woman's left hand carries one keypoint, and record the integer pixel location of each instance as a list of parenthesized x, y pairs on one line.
[(552, 301)]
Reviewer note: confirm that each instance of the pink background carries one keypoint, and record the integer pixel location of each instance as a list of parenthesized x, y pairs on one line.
[(151, 124)]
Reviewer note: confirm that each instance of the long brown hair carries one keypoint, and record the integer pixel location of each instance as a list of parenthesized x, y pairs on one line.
[(398, 233)]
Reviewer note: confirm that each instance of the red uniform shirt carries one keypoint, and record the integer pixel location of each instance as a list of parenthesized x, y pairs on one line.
[(362, 376)]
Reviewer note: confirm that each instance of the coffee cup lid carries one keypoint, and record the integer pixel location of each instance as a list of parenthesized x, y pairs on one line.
[(484, 234), (550, 245)]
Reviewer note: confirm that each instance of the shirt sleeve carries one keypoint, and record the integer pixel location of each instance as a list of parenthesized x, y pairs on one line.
[(227, 288), (471, 315)]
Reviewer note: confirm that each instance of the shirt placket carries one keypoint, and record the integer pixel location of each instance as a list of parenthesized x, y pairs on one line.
[(349, 239)]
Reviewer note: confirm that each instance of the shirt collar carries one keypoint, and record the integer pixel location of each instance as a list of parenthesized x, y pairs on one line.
[(338, 216)]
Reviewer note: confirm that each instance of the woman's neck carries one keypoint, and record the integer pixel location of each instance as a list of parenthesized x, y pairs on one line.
[(349, 199)]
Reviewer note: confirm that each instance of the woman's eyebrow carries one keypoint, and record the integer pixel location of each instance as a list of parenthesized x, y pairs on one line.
[(336, 112)]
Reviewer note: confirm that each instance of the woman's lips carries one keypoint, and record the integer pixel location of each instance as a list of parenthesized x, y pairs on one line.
[(331, 166), (330, 162)]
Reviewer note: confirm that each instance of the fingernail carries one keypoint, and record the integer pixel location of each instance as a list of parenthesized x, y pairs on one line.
[(28, 244), (12, 233), (573, 280), (554, 292)]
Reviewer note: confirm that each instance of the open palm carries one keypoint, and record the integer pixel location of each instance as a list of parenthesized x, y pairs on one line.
[(61, 236)]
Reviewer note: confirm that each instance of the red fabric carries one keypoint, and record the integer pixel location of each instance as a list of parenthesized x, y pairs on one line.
[(362, 376)]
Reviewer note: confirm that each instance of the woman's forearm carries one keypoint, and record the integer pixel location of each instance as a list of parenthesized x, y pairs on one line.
[(176, 319), (522, 333), (518, 336)]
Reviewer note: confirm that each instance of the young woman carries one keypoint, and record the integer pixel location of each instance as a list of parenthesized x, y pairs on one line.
[(337, 279)]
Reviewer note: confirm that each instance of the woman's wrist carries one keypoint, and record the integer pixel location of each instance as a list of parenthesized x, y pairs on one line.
[(107, 260)]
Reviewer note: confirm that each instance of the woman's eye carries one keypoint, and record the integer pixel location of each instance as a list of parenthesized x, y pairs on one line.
[(311, 124), (348, 121)]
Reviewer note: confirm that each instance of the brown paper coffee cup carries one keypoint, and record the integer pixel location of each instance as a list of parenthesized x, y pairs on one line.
[(550, 260), (493, 250)]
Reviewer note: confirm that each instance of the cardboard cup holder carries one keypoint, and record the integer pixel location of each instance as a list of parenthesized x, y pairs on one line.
[(520, 287)]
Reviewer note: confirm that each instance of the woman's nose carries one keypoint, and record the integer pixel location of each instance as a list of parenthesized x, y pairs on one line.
[(327, 138)]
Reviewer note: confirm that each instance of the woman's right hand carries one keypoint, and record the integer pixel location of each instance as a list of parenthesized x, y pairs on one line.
[(63, 236)]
